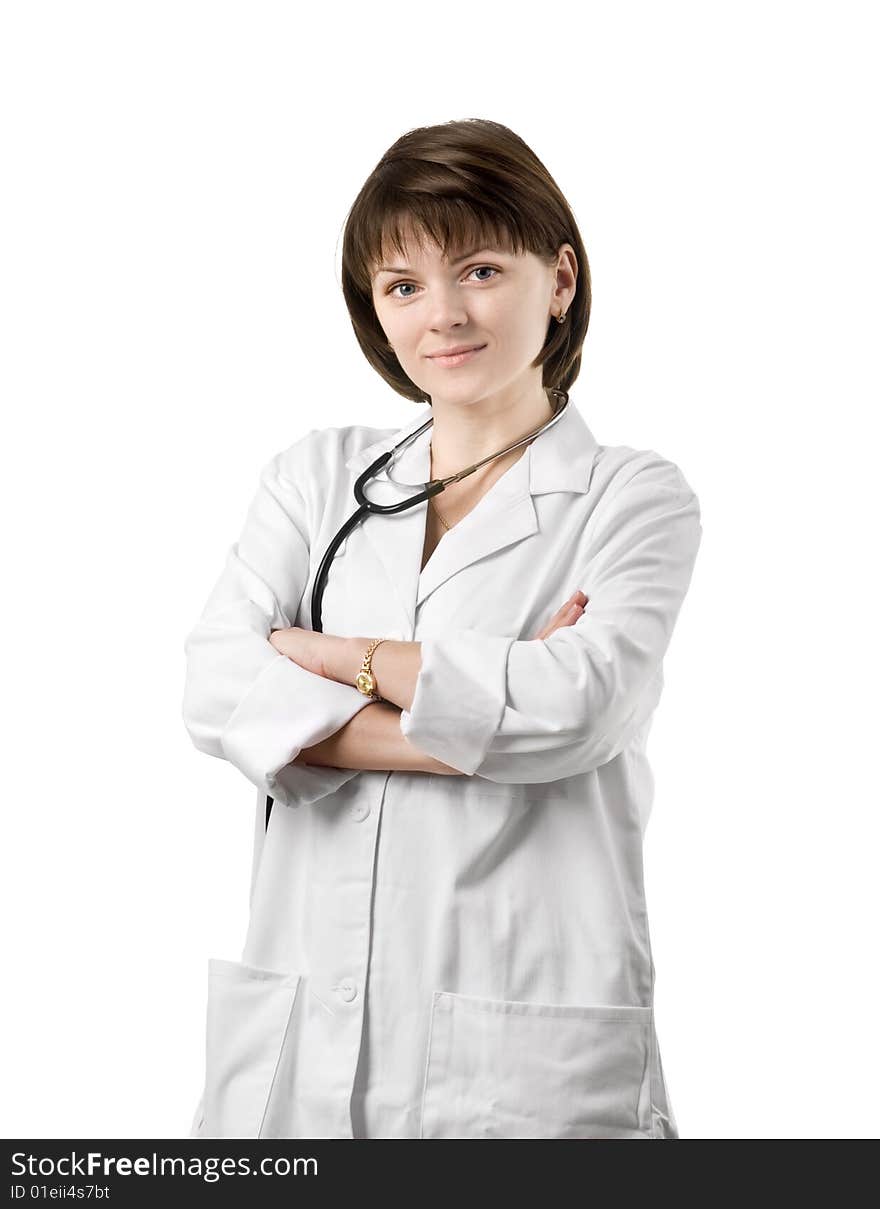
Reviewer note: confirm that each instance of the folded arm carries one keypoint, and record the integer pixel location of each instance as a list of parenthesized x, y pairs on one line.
[(243, 701), (518, 711), (374, 739)]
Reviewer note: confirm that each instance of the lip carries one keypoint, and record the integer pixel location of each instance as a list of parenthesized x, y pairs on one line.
[(464, 353)]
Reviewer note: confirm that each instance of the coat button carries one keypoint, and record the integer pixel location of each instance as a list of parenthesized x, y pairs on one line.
[(360, 811), (346, 990)]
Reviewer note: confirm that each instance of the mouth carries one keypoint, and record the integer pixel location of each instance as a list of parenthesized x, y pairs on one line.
[(465, 353)]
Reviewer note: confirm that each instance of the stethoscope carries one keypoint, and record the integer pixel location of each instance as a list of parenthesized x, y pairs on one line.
[(429, 489)]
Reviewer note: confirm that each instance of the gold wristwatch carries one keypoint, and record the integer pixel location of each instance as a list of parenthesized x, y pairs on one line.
[(366, 681)]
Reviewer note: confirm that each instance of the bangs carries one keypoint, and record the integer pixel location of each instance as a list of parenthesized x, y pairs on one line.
[(453, 224)]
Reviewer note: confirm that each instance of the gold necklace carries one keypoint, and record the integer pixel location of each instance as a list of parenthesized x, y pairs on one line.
[(431, 501), (439, 517)]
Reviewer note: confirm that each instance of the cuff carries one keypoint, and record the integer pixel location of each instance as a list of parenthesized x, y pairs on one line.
[(285, 710), (460, 697), (302, 784)]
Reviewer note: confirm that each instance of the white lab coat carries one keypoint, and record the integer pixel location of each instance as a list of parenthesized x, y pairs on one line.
[(447, 956)]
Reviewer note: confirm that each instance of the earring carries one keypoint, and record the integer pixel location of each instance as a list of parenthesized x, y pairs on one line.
[(561, 317)]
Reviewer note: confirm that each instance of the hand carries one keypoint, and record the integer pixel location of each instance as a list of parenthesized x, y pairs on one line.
[(308, 648), (567, 615)]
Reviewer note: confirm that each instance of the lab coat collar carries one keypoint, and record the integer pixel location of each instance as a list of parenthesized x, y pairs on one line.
[(561, 459)]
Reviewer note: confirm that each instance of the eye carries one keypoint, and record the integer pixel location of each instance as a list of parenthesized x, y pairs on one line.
[(478, 268)]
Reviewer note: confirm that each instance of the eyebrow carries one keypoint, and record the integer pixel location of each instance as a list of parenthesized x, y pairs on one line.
[(404, 269)]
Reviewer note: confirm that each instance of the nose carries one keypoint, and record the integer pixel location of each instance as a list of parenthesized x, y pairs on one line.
[(447, 310)]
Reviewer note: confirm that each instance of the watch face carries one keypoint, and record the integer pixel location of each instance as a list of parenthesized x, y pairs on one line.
[(365, 683)]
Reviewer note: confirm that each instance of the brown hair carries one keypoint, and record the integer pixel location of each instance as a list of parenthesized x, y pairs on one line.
[(462, 183)]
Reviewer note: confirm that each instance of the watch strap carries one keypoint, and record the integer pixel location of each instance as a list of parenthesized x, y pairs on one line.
[(366, 681)]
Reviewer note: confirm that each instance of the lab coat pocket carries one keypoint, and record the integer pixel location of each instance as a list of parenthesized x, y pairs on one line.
[(510, 1069), (248, 1013)]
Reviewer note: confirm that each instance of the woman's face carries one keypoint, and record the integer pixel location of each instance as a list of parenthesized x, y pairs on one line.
[(491, 298)]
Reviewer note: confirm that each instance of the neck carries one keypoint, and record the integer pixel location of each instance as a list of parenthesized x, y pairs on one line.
[(463, 435)]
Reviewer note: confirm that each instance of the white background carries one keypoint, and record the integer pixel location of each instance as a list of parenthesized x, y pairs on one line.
[(176, 179)]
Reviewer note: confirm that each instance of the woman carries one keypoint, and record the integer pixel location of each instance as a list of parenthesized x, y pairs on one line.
[(448, 934)]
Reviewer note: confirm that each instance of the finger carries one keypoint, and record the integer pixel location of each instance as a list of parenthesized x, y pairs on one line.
[(566, 616), (571, 615), (552, 623), (563, 609), (563, 615)]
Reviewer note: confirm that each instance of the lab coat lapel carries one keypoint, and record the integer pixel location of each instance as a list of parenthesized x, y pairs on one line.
[(503, 516), (396, 540), (559, 460)]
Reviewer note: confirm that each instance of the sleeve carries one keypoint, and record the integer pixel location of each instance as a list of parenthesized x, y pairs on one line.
[(520, 712), (244, 701)]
